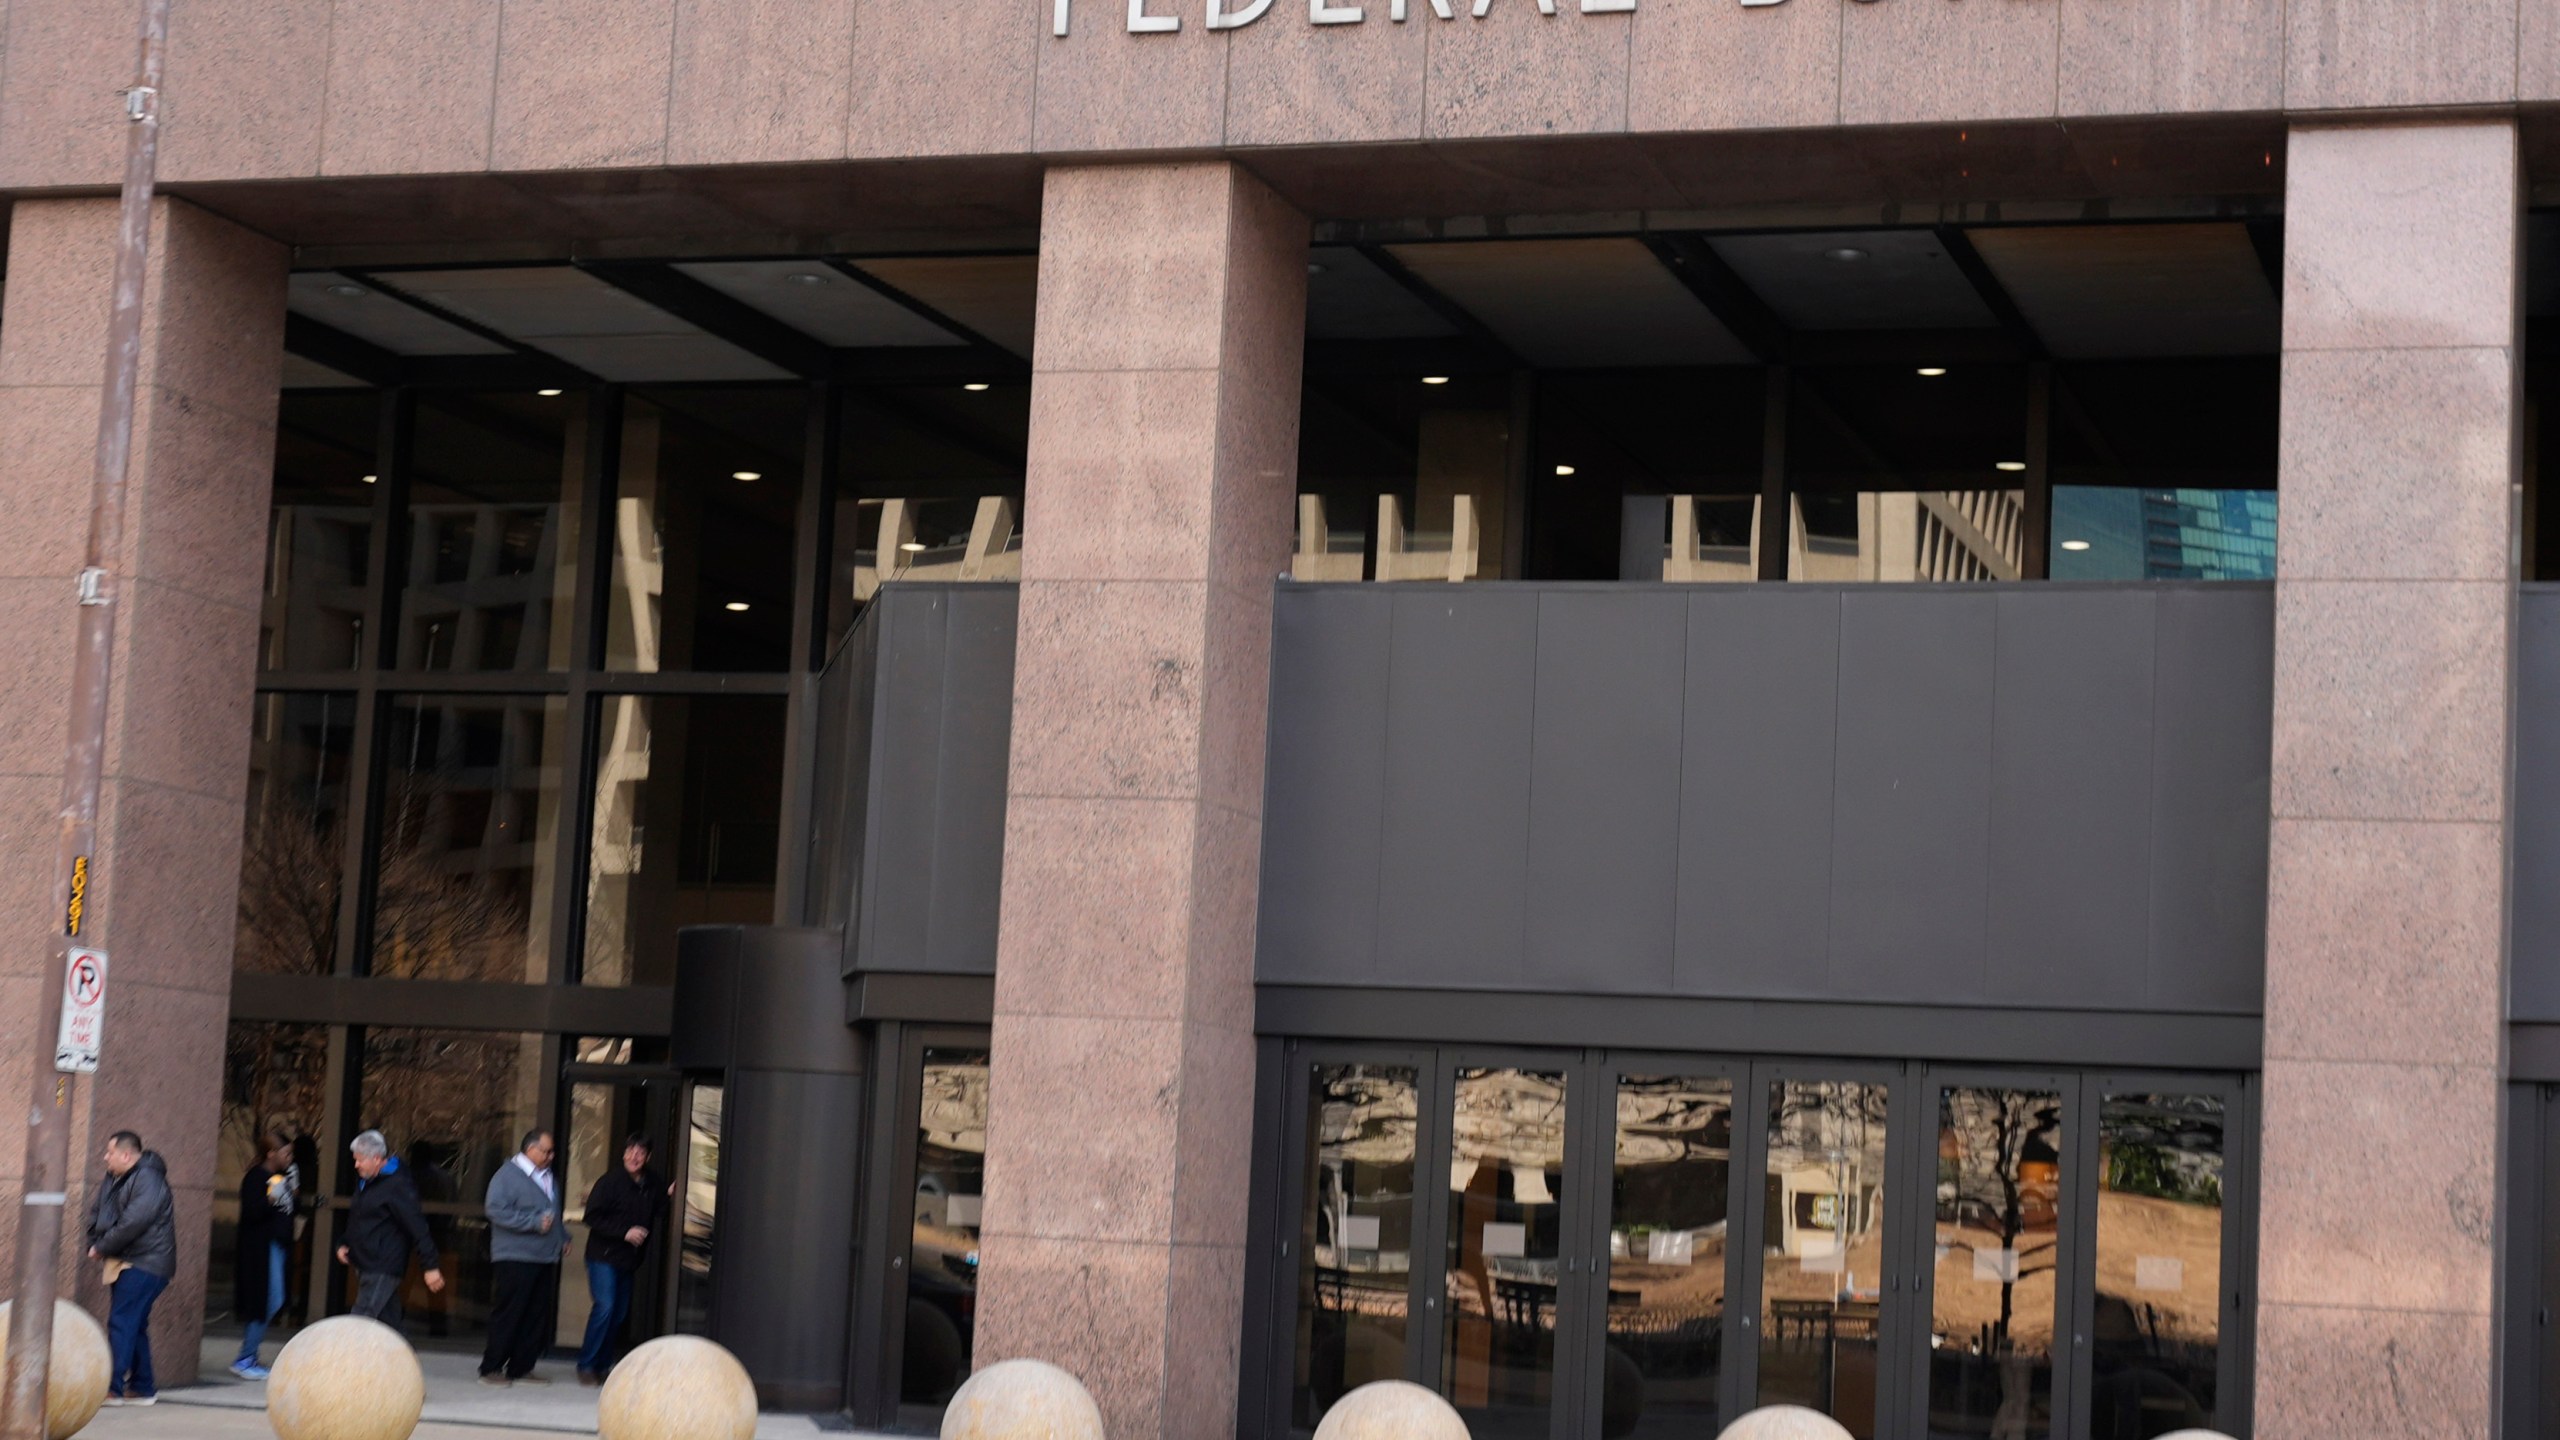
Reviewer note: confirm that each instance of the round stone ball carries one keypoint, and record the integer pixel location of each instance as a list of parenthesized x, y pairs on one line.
[(1391, 1410), (1785, 1422), (346, 1378), (677, 1387), (1022, 1400), (77, 1383), (2195, 1435)]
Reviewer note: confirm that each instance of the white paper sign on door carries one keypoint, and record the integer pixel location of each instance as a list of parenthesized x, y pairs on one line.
[(1505, 1242)]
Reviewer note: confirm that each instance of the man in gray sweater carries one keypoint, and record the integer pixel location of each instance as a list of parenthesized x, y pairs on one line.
[(528, 1237)]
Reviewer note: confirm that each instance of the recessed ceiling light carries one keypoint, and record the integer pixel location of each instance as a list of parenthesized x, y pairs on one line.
[(1315, 267), (746, 474), (804, 277), (370, 479), (546, 393), (2013, 466), (1564, 469), (2075, 544), (1933, 371), (1844, 253), (1435, 379), (975, 386), (346, 291), (736, 605), (913, 546)]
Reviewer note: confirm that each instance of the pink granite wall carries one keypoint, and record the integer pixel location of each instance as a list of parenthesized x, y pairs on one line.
[(166, 887), (2386, 929), (1163, 456)]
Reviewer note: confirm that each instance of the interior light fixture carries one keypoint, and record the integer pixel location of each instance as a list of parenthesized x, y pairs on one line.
[(2012, 466), (546, 394), (370, 479), (1435, 379), (1564, 469), (1933, 371), (346, 291), (804, 277), (735, 605), (975, 386), (746, 474), (912, 546), (2075, 544), (1315, 267), (1844, 253)]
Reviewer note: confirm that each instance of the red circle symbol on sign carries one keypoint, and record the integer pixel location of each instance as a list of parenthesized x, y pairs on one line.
[(87, 985)]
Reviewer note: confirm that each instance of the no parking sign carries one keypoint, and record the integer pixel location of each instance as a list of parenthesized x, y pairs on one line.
[(84, 1012)]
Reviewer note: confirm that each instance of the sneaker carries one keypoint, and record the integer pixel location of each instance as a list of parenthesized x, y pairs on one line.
[(248, 1369), (114, 1400), (142, 1399), (531, 1380), (500, 1381)]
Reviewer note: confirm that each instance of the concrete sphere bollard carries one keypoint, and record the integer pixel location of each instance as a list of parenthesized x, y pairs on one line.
[(1391, 1410), (1785, 1422), (77, 1383), (2195, 1435), (677, 1387), (1022, 1400), (346, 1378)]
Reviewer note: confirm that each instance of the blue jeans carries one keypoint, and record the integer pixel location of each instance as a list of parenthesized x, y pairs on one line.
[(255, 1334), (129, 1332), (611, 1287)]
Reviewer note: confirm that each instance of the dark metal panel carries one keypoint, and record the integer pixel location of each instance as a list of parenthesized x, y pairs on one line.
[(1604, 805), (905, 782), (937, 999), (1761, 700), (1460, 684), (2213, 719), (787, 990), (706, 994), (2534, 982), (1911, 809), (790, 1166), (2070, 894), (973, 756), (1324, 783)]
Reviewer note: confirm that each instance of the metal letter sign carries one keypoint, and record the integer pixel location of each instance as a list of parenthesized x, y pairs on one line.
[(84, 1012)]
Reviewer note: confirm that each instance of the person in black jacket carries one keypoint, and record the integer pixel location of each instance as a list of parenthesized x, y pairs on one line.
[(261, 1249), (622, 1213), (384, 1227), (133, 1228)]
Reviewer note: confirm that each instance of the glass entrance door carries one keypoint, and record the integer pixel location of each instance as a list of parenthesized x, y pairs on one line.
[(1505, 1276), (2000, 1243), (609, 1105)]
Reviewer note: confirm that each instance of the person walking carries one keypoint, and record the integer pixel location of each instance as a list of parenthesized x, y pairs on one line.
[(261, 1249), (385, 1226), (133, 1229), (622, 1213), (528, 1238)]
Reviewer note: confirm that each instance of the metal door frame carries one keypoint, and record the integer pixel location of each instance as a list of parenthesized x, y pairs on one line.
[(884, 1215)]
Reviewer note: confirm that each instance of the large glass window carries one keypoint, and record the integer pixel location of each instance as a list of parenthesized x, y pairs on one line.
[(1405, 474), (699, 1190), (2157, 1341), (930, 487), (1355, 1233), (293, 846), (319, 571), (1505, 1249), (1998, 1248), (942, 1245), (1670, 1185), (703, 519), (273, 1076), (467, 841), (495, 491), (1823, 1249), (687, 826)]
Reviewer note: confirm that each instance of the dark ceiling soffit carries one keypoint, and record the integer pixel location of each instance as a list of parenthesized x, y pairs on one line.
[(363, 360), (990, 354), (1441, 305), (723, 317), (644, 1011), (372, 280), (1696, 265), (2266, 236), (1987, 286)]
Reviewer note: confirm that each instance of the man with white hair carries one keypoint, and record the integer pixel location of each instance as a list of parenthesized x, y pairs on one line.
[(385, 1225)]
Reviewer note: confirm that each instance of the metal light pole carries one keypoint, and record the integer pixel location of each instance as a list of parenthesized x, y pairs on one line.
[(48, 1167)]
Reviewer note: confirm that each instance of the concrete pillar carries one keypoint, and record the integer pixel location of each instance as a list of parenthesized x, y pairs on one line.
[(2386, 916), (166, 890), (1163, 459)]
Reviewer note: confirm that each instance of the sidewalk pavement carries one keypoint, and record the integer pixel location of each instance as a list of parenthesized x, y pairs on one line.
[(459, 1407)]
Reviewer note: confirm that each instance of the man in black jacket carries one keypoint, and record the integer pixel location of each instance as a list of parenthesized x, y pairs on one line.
[(385, 1225), (133, 1228), (622, 1213)]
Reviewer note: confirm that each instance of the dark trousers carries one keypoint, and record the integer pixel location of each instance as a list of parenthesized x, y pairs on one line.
[(378, 1297), (129, 1332), (518, 1311)]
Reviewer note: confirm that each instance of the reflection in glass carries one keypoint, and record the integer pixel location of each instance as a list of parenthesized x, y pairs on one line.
[(1907, 535), (453, 1104), (494, 493), (1421, 471), (465, 859), (292, 849), (930, 489), (1667, 1233), (1355, 1236), (2156, 1343), (1506, 1230), (703, 518), (600, 1116), (687, 826), (701, 1192), (320, 531), (1822, 1239), (942, 1254), (1998, 1227), (2130, 533), (1689, 538), (273, 1078)]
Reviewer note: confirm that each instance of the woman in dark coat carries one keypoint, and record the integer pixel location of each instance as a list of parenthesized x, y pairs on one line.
[(264, 1245)]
